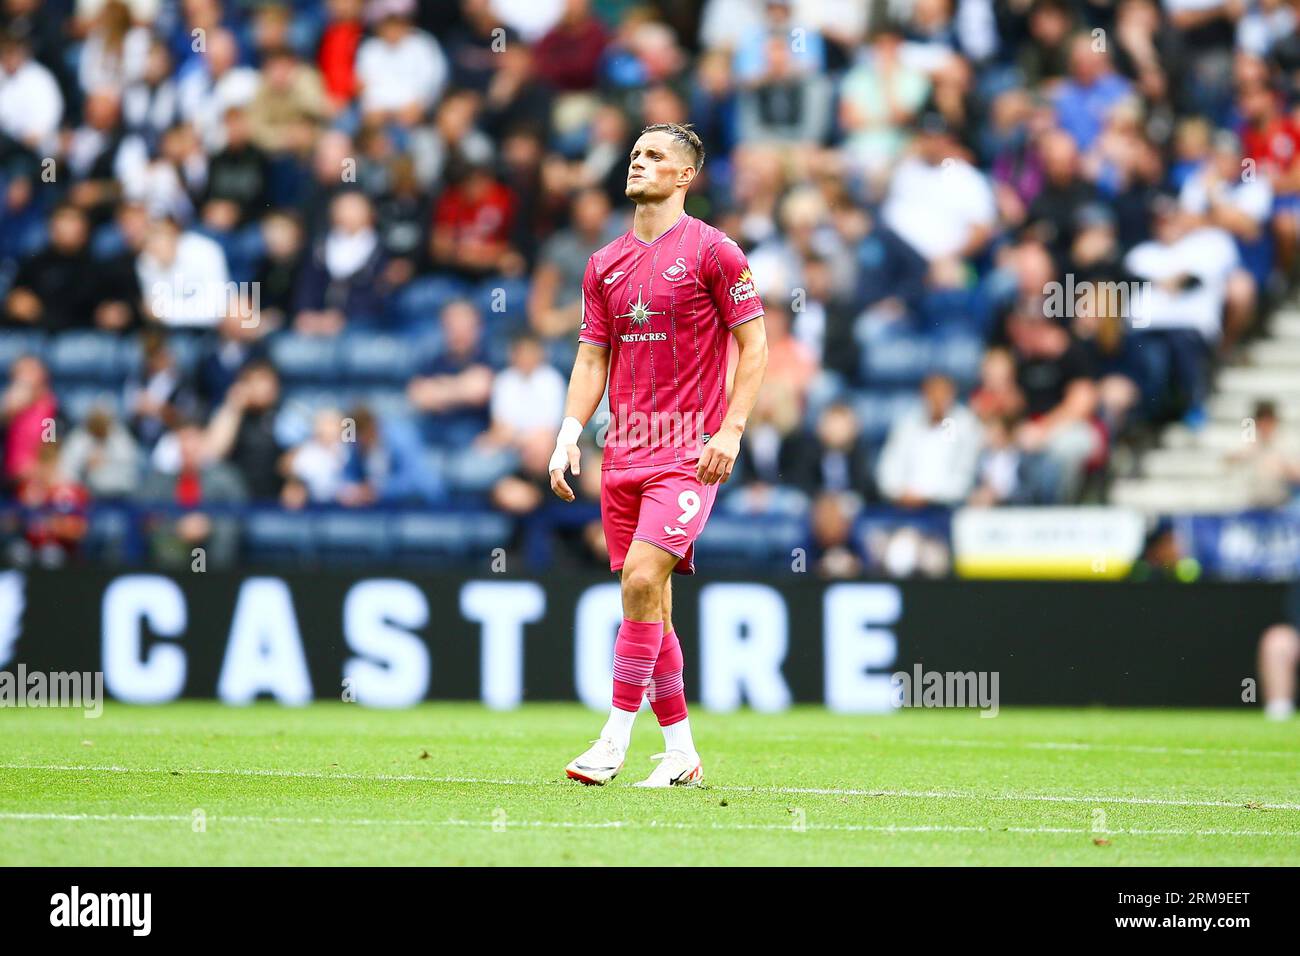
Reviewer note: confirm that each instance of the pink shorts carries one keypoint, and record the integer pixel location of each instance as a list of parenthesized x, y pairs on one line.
[(665, 505)]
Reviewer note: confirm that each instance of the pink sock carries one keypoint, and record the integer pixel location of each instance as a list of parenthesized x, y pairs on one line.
[(667, 692), (635, 650)]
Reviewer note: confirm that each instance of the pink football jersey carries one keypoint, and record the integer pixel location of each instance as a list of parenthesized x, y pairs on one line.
[(665, 309)]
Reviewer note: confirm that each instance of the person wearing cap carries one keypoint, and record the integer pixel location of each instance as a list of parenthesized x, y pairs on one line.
[(401, 70)]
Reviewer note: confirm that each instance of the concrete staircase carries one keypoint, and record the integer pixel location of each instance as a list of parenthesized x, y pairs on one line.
[(1188, 470)]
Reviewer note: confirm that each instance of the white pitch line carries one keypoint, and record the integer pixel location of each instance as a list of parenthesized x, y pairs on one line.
[(1110, 748), (215, 820), (814, 791)]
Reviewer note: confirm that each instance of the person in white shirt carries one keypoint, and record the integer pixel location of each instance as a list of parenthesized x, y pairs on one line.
[(319, 462), (938, 203), (401, 70), (527, 397), (531, 19), (183, 277), (31, 106), (115, 53), (931, 455), (1187, 265), (1263, 24), (209, 87), (1179, 317)]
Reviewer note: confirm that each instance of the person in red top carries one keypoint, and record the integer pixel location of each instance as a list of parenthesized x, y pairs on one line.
[(28, 408), (471, 226), (57, 522), (337, 55), (198, 482), (660, 305), (1271, 139), (568, 55)]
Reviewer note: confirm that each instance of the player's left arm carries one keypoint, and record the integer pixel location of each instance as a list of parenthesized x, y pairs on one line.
[(720, 454)]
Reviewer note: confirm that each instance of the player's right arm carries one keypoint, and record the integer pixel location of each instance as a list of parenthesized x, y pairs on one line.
[(586, 387), (586, 383)]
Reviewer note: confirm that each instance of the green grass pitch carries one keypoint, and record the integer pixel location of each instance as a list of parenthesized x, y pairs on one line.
[(198, 783)]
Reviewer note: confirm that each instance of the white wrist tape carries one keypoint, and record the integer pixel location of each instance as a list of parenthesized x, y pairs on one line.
[(570, 431)]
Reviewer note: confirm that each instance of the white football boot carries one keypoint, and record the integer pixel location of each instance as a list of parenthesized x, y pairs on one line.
[(675, 769), (598, 765)]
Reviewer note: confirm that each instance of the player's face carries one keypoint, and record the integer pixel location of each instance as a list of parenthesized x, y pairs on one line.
[(656, 168)]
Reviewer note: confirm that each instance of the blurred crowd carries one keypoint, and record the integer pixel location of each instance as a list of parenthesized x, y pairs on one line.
[(330, 253)]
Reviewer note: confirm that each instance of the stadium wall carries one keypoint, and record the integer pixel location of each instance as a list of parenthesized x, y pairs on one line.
[(394, 640)]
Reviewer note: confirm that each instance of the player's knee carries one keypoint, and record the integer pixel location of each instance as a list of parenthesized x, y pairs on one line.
[(1280, 642), (642, 587)]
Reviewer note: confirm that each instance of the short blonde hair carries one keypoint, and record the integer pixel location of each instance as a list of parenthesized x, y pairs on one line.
[(685, 134)]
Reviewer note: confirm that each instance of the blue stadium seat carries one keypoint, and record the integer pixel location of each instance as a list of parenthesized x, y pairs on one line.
[(387, 403), (877, 409), (475, 470), (75, 357), (245, 248), (107, 242), (352, 536), (431, 535), (738, 541), (562, 351), (274, 535), (762, 503), (108, 534), (418, 304), (959, 310), (904, 358), (377, 358), (900, 358), (14, 345), (306, 358), (502, 300), (187, 347), (959, 354), (76, 402)]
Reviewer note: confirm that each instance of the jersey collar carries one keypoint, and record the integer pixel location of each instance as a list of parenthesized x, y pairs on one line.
[(680, 219)]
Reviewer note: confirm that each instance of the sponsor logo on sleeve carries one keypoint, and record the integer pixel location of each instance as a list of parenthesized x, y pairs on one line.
[(743, 288)]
